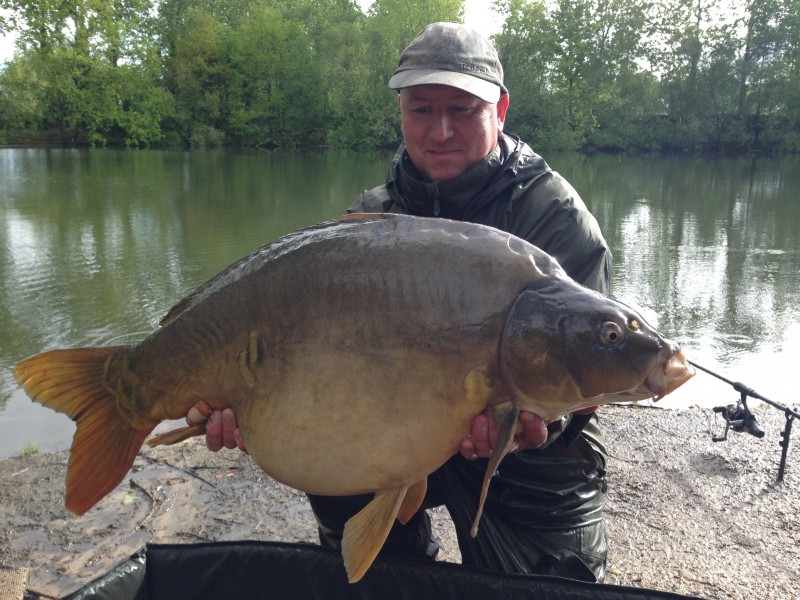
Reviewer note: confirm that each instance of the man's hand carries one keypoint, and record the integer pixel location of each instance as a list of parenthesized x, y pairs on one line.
[(222, 430), (484, 430)]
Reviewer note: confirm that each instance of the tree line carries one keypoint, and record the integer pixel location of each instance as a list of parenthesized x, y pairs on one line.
[(712, 76)]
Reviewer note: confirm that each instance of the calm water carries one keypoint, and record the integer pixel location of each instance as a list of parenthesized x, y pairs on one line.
[(96, 245)]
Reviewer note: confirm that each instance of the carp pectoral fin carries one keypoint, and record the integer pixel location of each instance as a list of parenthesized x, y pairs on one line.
[(365, 533), (413, 500), (177, 435), (505, 439), (105, 444)]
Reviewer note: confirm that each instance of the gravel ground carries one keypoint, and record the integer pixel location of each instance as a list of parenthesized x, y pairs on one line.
[(684, 514), (689, 515)]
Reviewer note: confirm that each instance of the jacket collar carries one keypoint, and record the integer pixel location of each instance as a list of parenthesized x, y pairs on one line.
[(458, 198)]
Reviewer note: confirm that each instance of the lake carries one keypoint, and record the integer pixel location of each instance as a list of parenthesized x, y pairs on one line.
[(97, 245)]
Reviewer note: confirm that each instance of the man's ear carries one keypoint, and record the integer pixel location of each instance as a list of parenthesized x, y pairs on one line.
[(502, 107), (400, 107)]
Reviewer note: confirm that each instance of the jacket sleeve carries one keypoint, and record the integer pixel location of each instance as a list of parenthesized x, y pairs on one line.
[(549, 213), (376, 200)]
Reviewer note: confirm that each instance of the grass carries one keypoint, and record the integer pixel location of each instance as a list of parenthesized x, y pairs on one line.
[(29, 450)]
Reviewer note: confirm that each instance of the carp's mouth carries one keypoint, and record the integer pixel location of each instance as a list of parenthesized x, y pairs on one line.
[(668, 376)]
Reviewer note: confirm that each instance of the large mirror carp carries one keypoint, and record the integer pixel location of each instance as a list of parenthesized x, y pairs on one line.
[(355, 354)]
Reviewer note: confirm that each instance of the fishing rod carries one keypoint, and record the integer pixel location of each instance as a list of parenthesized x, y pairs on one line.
[(739, 418)]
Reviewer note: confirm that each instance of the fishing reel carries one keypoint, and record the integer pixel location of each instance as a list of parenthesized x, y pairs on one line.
[(739, 418)]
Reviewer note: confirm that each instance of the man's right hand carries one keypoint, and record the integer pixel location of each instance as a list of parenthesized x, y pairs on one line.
[(222, 430)]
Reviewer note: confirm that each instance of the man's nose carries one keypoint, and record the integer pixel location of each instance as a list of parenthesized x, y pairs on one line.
[(441, 128)]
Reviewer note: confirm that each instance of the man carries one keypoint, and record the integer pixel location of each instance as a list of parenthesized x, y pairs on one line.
[(544, 510)]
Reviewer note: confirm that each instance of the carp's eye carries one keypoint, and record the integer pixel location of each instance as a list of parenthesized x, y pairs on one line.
[(610, 333)]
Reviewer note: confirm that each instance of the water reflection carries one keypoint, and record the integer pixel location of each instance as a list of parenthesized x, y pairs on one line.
[(709, 250), (95, 246)]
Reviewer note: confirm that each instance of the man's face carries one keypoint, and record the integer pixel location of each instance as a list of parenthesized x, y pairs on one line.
[(447, 130)]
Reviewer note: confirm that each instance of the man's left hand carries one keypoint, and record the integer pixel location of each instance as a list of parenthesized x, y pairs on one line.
[(484, 430)]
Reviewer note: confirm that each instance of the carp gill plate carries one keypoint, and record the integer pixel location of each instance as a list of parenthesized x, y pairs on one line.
[(355, 354)]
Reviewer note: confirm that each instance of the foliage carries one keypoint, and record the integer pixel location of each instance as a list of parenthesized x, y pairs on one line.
[(28, 450), (714, 76), (91, 71)]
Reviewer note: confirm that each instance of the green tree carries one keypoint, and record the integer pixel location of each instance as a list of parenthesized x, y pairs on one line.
[(86, 55), (791, 93), (724, 71), (572, 68), (278, 97), (676, 75), (199, 79), (527, 45), (21, 96), (349, 87), (621, 94), (686, 41), (765, 69), (338, 66)]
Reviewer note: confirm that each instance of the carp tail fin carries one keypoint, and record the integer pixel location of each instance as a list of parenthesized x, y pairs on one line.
[(105, 444), (365, 533)]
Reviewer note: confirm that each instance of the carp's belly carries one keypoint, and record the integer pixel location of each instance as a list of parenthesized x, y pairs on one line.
[(363, 464), (341, 434)]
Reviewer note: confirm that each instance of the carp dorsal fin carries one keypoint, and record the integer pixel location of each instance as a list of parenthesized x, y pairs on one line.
[(365, 533), (255, 259), (413, 500), (505, 440), (242, 268), (363, 217)]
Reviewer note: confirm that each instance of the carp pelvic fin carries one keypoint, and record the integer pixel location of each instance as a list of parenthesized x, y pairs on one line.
[(105, 445), (173, 436), (505, 440), (365, 533), (413, 500)]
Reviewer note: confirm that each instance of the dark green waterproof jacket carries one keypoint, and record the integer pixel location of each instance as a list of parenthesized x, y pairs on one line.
[(513, 189)]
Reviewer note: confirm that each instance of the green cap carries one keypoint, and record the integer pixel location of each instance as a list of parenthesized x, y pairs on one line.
[(451, 54)]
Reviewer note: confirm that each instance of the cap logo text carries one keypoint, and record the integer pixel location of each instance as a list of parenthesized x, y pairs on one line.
[(473, 67)]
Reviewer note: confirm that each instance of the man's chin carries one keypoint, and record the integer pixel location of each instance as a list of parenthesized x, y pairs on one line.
[(443, 172)]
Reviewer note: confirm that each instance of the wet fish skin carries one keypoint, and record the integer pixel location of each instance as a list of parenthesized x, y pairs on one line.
[(580, 342), (355, 354)]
